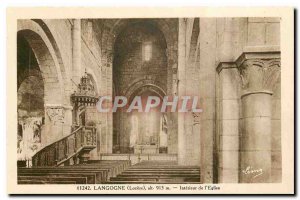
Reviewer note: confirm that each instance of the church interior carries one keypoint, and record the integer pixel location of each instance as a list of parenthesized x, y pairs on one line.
[(231, 64)]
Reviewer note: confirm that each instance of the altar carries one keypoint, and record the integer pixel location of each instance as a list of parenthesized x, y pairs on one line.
[(146, 149)]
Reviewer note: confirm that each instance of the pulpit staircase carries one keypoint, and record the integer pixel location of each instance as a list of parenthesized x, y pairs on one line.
[(66, 161), (70, 150)]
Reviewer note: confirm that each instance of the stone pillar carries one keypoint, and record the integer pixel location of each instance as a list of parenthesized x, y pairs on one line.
[(259, 72), (68, 120), (109, 92), (207, 93), (172, 90), (76, 33), (54, 123), (228, 123), (105, 139), (181, 89), (276, 135)]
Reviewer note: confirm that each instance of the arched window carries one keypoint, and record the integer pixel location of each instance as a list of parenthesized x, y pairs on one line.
[(147, 51)]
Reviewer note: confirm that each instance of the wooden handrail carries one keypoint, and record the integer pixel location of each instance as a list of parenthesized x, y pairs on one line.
[(84, 138), (79, 127)]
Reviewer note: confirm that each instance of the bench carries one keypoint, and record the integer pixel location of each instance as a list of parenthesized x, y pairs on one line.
[(94, 172)]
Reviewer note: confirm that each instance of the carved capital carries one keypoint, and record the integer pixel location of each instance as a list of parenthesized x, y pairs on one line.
[(56, 113), (259, 71)]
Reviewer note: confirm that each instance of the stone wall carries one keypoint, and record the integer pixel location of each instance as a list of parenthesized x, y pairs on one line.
[(234, 37), (220, 42), (130, 65)]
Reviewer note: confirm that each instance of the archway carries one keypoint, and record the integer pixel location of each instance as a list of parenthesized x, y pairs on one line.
[(51, 75), (41, 97), (148, 130), (30, 92), (140, 67)]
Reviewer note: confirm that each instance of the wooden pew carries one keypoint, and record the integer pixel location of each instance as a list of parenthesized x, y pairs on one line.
[(95, 171), (158, 172), (156, 177), (90, 177), (77, 180), (101, 175), (44, 182)]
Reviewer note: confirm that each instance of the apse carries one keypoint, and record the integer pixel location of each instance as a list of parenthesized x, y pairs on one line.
[(148, 128), (139, 66)]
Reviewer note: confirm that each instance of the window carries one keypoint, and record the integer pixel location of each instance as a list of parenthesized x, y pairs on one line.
[(90, 32), (147, 51)]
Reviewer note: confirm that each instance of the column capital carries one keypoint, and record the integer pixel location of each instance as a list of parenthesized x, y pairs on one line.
[(56, 112), (259, 71)]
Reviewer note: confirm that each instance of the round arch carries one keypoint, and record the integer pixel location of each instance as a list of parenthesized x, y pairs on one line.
[(117, 27), (53, 72), (112, 28), (139, 89), (137, 85)]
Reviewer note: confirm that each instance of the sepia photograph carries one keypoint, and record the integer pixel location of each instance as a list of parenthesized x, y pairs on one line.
[(129, 103)]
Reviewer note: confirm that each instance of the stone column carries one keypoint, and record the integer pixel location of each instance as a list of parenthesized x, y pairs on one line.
[(54, 123), (259, 72), (228, 122), (172, 117), (76, 33), (58, 123), (68, 120), (207, 93), (109, 87), (181, 89)]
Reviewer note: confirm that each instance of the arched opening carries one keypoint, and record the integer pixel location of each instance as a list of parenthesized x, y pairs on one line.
[(148, 130), (139, 69), (39, 88), (31, 112)]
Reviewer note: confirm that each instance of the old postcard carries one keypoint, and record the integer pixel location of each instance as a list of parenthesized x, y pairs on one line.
[(150, 100)]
